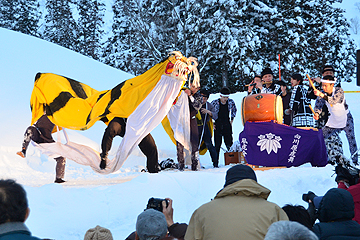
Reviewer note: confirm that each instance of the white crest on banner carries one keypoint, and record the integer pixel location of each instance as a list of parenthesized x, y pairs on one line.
[(269, 142)]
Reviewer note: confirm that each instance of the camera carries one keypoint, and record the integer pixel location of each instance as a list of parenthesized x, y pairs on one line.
[(156, 203)]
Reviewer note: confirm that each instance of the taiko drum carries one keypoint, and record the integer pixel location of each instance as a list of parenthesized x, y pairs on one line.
[(262, 107)]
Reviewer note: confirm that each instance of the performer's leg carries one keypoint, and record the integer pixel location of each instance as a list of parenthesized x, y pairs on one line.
[(209, 145), (31, 133), (350, 135), (148, 147), (194, 160), (328, 131), (228, 139), (180, 155), (218, 142), (60, 169), (115, 127)]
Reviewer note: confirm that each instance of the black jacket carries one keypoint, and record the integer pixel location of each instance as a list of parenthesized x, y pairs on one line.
[(336, 211)]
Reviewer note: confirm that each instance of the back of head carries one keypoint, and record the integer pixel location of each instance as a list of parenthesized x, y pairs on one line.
[(336, 205), (288, 230), (328, 68), (298, 214), (239, 172), (98, 233), (151, 225), (13, 202)]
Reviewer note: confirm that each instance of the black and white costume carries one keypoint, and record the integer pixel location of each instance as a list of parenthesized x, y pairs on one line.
[(299, 104)]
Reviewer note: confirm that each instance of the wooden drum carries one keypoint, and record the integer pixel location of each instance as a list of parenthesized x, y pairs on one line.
[(262, 107)]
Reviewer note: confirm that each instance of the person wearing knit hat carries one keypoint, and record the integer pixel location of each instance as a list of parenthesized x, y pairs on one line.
[(98, 233), (299, 106), (151, 224), (239, 209), (223, 107), (340, 118), (269, 85)]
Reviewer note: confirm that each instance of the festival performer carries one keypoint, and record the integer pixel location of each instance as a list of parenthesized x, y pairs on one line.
[(340, 118), (224, 106), (285, 96), (255, 86), (144, 100), (194, 99), (299, 103), (208, 113), (117, 127), (269, 85), (40, 132)]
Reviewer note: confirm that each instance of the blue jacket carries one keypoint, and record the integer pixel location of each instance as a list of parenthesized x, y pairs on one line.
[(15, 231), (336, 211)]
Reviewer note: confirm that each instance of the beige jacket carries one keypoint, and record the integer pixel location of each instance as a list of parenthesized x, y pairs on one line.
[(239, 211)]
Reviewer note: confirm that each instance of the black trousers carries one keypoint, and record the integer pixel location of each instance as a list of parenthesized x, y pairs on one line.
[(32, 133), (222, 131), (147, 145)]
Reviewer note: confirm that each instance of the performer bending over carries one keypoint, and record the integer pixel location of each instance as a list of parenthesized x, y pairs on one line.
[(40, 132), (340, 118), (117, 127)]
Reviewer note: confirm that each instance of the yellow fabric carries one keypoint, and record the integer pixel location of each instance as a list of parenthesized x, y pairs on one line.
[(65, 108)]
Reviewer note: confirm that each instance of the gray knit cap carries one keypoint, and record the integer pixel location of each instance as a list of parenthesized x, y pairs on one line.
[(98, 233), (151, 224)]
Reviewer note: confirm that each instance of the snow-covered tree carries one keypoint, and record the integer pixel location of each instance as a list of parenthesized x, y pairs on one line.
[(20, 15), (60, 26), (90, 23)]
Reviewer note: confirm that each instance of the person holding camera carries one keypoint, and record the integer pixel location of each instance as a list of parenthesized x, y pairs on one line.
[(164, 206)]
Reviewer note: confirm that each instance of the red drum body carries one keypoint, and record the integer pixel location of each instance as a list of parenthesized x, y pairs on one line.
[(262, 107)]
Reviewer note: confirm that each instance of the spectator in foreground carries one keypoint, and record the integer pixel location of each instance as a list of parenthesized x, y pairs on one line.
[(335, 214), (14, 211), (298, 214), (98, 233), (175, 230), (288, 230), (239, 211)]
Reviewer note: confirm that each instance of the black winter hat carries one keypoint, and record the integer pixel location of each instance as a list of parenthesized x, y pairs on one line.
[(225, 91), (239, 172), (328, 68), (266, 71)]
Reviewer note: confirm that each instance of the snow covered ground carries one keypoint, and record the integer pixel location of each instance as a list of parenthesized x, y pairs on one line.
[(113, 201)]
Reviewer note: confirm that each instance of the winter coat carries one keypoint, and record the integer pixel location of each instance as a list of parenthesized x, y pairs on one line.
[(336, 210), (15, 231), (176, 231), (274, 89), (238, 211), (355, 193)]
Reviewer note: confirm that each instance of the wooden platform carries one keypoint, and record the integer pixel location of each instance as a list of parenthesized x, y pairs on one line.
[(261, 168)]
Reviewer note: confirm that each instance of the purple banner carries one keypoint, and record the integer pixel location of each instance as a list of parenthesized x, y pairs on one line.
[(270, 144)]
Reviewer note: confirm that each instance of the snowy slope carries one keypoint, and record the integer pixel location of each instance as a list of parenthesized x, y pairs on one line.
[(113, 201)]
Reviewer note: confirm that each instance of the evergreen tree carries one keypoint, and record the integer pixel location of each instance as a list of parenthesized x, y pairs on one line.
[(60, 26), (90, 25), (20, 15)]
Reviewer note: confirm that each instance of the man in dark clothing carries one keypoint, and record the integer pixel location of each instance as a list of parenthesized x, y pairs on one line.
[(336, 210), (14, 211), (269, 85), (194, 106), (117, 127), (255, 86), (40, 132), (207, 114), (224, 106), (286, 101)]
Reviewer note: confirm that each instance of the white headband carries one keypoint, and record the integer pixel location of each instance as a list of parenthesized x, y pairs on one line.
[(224, 95), (328, 81)]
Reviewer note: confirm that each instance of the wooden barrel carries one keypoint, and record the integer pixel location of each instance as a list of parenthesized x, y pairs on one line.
[(262, 107)]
